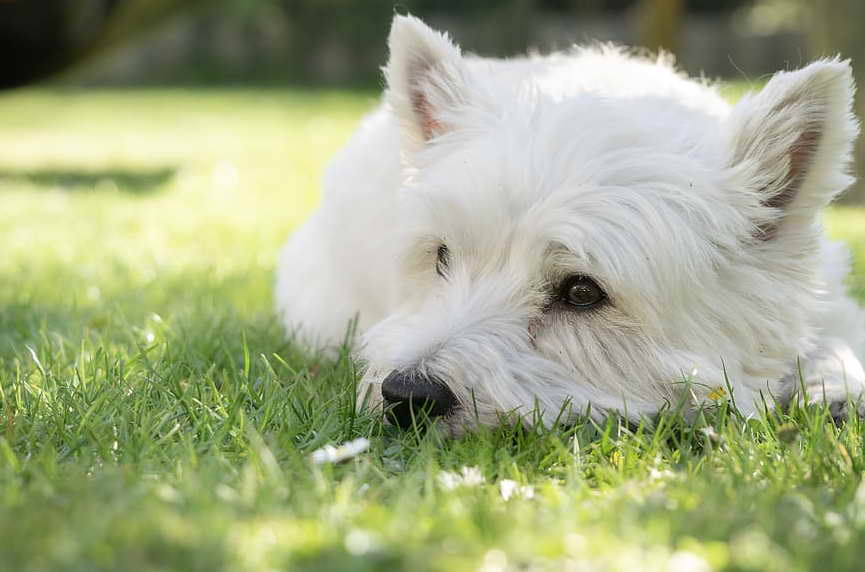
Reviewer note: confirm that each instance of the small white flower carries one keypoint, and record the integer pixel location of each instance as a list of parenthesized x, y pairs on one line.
[(331, 454), (467, 477), (710, 433), (656, 474), (509, 488), (448, 481), (472, 476)]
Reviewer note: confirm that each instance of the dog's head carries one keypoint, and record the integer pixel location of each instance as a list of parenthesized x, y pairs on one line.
[(599, 231)]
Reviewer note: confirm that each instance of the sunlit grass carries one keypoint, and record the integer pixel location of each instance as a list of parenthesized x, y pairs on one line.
[(152, 417)]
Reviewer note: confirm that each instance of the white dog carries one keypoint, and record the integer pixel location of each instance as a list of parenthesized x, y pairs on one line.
[(582, 232)]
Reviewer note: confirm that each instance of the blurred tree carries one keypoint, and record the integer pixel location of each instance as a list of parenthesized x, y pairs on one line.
[(42, 37), (659, 22), (340, 42), (836, 27)]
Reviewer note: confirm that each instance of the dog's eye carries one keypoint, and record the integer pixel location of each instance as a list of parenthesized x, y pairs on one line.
[(442, 260), (582, 292)]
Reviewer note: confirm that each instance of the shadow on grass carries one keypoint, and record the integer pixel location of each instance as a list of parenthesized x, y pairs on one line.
[(133, 181)]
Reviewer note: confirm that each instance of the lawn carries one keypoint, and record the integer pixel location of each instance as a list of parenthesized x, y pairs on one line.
[(153, 418)]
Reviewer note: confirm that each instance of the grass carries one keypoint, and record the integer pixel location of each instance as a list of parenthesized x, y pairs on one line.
[(153, 418)]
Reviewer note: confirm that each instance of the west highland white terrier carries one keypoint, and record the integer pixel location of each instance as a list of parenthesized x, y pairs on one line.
[(583, 232)]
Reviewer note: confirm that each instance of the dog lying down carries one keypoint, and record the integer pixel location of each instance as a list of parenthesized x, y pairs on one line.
[(583, 231)]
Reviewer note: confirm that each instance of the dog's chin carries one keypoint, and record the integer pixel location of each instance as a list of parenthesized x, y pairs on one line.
[(460, 423), (454, 426), (457, 425)]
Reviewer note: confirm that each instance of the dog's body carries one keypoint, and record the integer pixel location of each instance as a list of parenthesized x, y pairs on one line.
[(585, 230)]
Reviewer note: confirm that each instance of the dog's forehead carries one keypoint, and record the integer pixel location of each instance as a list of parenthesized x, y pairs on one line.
[(539, 144), (551, 157)]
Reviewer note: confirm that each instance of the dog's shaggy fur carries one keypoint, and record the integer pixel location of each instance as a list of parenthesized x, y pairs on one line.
[(453, 217)]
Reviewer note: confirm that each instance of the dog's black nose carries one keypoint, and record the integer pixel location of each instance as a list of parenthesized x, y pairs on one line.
[(411, 396)]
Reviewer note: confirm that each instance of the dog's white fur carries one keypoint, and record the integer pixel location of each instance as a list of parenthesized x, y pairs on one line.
[(701, 221)]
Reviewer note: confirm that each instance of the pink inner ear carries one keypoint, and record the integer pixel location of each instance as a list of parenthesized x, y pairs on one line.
[(800, 156), (428, 124), (419, 85)]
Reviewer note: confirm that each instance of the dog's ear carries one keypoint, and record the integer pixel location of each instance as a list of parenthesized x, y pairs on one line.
[(425, 77), (792, 142)]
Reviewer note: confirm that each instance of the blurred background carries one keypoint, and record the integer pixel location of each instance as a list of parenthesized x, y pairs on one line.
[(342, 42)]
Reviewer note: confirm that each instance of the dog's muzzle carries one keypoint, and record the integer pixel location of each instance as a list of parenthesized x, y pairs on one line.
[(411, 397)]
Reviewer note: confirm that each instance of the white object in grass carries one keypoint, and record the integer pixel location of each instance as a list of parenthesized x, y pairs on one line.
[(332, 454)]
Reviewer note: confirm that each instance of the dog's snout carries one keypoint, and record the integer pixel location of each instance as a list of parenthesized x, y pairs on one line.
[(411, 396)]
